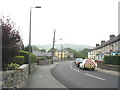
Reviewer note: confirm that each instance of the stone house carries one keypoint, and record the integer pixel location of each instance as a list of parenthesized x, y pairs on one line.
[(110, 47)]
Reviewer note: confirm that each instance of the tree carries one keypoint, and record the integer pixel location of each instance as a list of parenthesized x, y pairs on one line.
[(11, 41), (26, 48), (51, 49), (43, 50), (35, 48), (84, 52)]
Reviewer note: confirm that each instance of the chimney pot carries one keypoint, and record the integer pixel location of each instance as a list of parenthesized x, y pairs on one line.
[(103, 41), (112, 36), (97, 45)]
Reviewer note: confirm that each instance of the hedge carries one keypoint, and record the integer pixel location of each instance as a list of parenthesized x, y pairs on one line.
[(112, 59), (26, 56), (18, 60), (40, 58)]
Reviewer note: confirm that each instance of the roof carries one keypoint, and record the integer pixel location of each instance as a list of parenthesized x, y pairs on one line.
[(108, 42), (42, 54), (62, 50)]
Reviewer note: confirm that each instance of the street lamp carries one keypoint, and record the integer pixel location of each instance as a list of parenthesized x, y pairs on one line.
[(30, 48), (53, 46)]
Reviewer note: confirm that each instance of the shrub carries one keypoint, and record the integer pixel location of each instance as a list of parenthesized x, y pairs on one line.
[(11, 41), (40, 58), (112, 59), (18, 60), (26, 56), (13, 66), (48, 57)]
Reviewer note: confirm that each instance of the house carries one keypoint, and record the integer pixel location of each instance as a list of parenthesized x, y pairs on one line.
[(110, 47), (63, 54)]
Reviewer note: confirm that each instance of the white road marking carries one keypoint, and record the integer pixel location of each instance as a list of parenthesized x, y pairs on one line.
[(76, 70), (52, 67), (57, 80), (71, 66), (95, 76), (40, 76)]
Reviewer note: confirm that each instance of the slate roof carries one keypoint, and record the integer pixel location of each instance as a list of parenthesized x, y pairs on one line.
[(117, 38), (42, 54), (62, 50)]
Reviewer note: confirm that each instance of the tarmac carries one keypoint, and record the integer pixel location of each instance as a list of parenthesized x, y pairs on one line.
[(42, 78)]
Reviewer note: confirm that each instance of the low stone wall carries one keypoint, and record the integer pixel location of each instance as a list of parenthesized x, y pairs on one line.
[(44, 62), (15, 78), (107, 66)]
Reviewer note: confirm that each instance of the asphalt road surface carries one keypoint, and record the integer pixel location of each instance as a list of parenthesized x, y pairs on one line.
[(69, 75)]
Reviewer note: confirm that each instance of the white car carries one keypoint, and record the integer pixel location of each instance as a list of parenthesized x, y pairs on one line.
[(78, 61), (88, 64)]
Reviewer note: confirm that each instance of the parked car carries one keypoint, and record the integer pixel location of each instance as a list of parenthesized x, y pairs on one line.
[(88, 64), (78, 61)]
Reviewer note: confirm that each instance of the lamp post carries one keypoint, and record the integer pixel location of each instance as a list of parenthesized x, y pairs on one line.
[(30, 48)]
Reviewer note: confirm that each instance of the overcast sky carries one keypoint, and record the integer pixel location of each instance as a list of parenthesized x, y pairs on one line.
[(85, 22)]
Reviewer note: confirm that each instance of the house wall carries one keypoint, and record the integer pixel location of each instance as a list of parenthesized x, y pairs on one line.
[(98, 54), (63, 54)]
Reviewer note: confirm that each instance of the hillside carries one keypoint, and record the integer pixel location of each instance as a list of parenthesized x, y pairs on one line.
[(58, 46)]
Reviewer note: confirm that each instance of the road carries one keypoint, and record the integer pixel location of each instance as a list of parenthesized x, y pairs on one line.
[(72, 77)]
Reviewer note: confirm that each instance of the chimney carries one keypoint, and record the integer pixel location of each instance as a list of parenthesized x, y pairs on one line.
[(97, 45), (103, 41), (112, 36)]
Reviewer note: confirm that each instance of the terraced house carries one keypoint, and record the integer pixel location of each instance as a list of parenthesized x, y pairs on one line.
[(110, 47)]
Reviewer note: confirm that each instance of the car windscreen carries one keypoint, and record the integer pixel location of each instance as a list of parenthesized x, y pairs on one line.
[(80, 60)]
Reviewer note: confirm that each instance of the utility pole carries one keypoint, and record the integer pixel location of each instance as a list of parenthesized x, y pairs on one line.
[(53, 47), (61, 52)]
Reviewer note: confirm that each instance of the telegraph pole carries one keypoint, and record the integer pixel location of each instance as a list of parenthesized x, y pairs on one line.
[(61, 52), (53, 47)]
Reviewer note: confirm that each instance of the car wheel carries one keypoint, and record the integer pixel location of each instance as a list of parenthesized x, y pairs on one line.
[(77, 65), (93, 69), (83, 68)]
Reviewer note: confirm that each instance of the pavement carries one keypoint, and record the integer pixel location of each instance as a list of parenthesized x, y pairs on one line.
[(115, 73), (42, 78)]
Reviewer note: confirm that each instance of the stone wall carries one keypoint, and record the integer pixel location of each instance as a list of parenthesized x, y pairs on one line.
[(107, 66), (15, 78), (44, 62)]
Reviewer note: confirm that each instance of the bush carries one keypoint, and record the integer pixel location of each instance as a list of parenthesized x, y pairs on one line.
[(13, 66), (18, 60), (48, 57), (26, 56), (11, 41), (112, 59), (40, 58)]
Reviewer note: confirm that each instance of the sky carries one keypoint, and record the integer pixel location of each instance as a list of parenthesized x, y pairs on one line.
[(84, 22)]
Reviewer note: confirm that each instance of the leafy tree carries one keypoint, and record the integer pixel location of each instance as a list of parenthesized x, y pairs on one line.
[(35, 48), (43, 50), (26, 48), (11, 41), (84, 52), (79, 54), (51, 49)]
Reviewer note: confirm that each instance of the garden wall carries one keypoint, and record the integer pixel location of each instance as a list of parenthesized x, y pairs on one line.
[(108, 66), (15, 78)]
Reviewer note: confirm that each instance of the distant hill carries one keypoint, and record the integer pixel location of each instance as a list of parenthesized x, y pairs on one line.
[(58, 46)]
